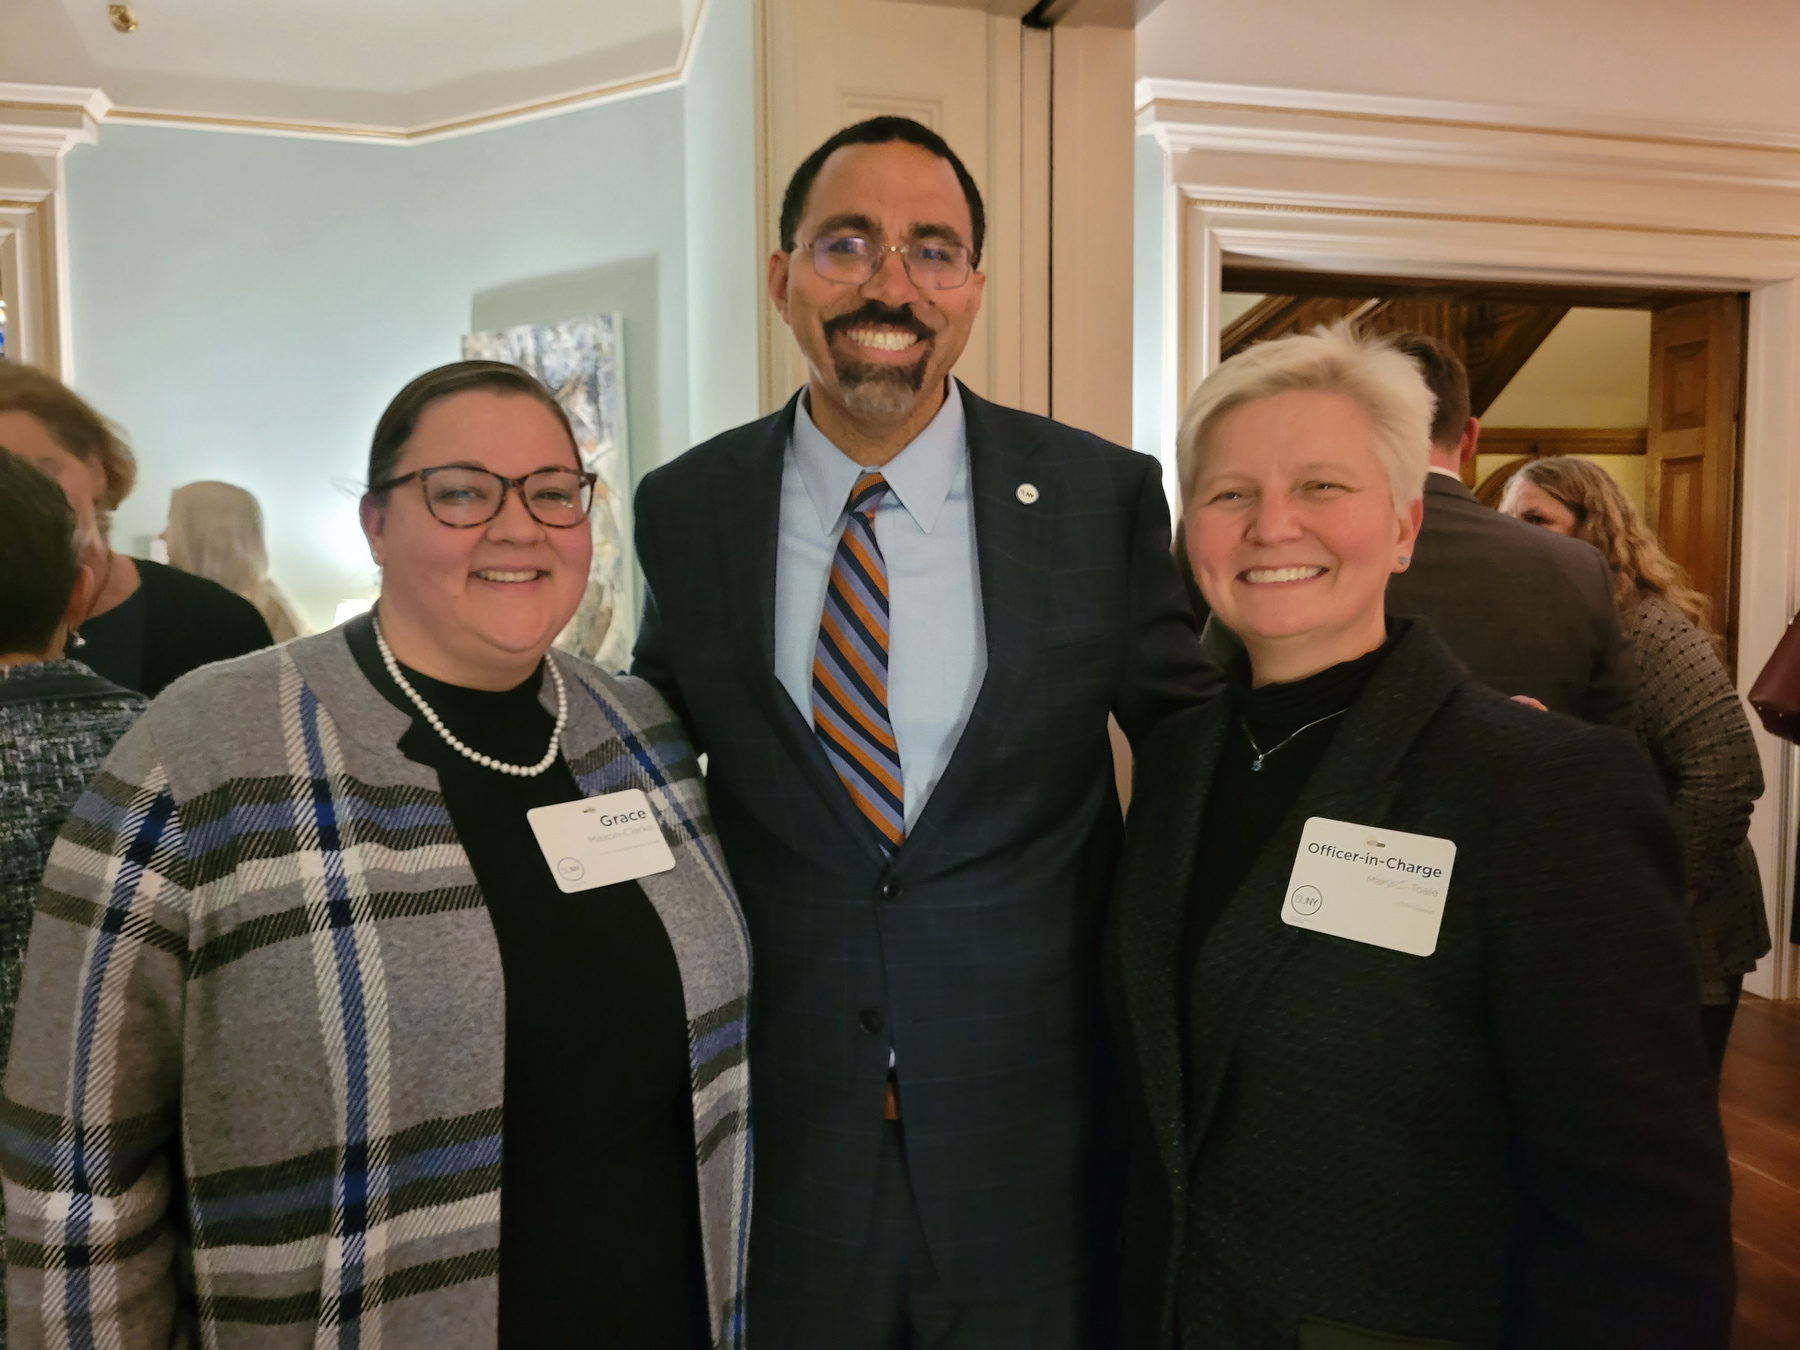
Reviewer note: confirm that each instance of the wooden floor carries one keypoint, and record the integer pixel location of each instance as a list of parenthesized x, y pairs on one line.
[(1761, 1105)]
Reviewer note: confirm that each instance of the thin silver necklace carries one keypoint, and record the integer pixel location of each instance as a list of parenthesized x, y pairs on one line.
[(1262, 754), (486, 761)]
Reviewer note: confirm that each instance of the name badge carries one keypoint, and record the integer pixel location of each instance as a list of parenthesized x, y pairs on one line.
[(601, 841), (1382, 887)]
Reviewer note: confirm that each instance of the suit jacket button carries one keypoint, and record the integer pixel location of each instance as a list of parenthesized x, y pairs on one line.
[(890, 889), (872, 1021)]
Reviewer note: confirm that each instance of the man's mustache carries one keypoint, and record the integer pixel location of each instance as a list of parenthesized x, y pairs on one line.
[(874, 313)]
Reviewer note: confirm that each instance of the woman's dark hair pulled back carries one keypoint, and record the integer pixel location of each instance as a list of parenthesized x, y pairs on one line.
[(401, 418), (38, 556)]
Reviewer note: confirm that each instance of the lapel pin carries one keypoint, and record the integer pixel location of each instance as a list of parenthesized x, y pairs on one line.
[(1027, 493)]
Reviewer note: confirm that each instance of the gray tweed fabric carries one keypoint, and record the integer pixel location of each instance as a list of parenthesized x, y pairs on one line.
[(1693, 722)]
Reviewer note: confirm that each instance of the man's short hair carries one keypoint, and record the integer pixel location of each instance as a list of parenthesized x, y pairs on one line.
[(880, 131), (1448, 380), (38, 556)]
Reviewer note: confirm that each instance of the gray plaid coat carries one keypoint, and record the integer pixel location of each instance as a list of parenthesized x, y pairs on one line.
[(255, 1093), (1692, 720)]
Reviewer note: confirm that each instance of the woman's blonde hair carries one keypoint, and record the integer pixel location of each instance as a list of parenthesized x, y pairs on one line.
[(216, 531), (1369, 371), (1605, 518)]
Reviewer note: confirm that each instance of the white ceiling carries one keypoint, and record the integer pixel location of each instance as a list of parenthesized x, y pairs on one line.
[(386, 63)]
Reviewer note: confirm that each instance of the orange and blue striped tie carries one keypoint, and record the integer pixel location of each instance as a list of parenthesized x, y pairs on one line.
[(850, 670)]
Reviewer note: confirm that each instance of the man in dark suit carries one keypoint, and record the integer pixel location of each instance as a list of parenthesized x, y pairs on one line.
[(1523, 610), (896, 617)]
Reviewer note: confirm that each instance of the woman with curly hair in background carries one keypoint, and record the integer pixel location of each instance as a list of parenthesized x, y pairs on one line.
[(1689, 715)]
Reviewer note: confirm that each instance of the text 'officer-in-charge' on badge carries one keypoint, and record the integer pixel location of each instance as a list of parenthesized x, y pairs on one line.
[(1382, 887), (601, 841)]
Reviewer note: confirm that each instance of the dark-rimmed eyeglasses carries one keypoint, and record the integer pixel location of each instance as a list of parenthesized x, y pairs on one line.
[(462, 496), (931, 264)]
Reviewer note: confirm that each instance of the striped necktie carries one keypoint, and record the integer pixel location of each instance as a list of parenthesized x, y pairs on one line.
[(850, 670)]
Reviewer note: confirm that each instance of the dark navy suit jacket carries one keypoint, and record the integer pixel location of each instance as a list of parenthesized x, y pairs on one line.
[(975, 951)]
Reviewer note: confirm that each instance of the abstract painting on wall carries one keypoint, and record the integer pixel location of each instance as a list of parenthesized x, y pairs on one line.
[(582, 362)]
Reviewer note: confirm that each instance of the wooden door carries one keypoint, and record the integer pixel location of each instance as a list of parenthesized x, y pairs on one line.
[(1691, 468)]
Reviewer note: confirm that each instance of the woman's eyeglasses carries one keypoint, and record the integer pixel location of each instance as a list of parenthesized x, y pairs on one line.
[(464, 497)]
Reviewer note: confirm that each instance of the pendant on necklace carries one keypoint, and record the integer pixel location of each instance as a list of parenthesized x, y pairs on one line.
[(1256, 764)]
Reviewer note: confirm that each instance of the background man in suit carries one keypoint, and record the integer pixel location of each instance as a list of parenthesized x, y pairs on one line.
[(895, 617), (1525, 618)]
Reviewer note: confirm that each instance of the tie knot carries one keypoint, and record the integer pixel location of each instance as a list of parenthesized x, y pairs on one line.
[(867, 494)]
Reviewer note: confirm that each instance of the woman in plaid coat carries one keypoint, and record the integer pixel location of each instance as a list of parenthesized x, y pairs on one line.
[(1689, 716), (317, 1045)]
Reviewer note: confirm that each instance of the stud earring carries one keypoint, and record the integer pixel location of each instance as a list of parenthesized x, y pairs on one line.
[(1405, 558)]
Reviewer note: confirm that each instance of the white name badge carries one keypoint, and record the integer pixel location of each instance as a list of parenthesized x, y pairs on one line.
[(601, 841), (1382, 887)]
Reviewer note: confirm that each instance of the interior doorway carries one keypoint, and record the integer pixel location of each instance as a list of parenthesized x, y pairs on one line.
[(1647, 383)]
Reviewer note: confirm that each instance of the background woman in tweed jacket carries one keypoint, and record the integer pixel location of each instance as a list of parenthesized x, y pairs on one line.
[(1689, 716), (297, 953)]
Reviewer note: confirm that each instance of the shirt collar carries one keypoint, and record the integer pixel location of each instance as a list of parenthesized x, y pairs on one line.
[(921, 475), (1448, 473)]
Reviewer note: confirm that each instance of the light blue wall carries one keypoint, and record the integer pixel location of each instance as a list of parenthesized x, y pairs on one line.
[(244, 306), (1147, 299), (725, 274)]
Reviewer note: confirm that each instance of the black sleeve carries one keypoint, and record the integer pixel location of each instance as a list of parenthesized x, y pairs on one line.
[(650, 657), (1164, 670), (1595, 1014)]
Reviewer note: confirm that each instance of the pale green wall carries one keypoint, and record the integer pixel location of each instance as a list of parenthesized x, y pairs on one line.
[(725, 275), (1147, 299), (244, 306)]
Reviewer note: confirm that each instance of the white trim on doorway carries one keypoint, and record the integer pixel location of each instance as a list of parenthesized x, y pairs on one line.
[(1344, 183)]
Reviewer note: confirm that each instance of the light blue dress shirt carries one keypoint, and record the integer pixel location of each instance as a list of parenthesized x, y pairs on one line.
[(937, 648)]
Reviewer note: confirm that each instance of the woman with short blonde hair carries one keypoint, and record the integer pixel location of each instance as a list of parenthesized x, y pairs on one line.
[(1371, 372), (1689, 716), (1397, 963)]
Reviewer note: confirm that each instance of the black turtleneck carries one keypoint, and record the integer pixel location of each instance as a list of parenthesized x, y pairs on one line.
[(1244, 805), (599, 1211)]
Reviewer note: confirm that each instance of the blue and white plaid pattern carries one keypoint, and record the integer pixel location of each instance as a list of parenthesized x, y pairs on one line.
[(364, 1213)]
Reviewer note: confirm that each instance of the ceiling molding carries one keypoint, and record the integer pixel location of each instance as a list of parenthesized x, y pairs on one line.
[(64, 115), (46, 119), (1240, 119), (1205, 95), (429, 131)]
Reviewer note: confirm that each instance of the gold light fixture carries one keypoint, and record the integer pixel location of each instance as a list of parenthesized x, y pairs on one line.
[(123, 20)]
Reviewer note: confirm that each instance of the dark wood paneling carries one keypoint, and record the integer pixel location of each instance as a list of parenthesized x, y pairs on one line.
[(1542, 442), (1760, 1104)]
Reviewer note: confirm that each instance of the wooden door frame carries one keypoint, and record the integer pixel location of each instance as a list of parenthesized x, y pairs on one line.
[(1438, 192)]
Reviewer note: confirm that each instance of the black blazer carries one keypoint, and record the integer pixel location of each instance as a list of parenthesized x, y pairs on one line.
[(189, 622), (1526, 610), (976, 951), (1511, 1142)]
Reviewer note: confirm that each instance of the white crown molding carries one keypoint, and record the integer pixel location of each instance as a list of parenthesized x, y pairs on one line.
[(1190, 115), (46, 119)]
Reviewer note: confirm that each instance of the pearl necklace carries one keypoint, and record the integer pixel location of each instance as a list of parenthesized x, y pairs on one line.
[(486, 761)]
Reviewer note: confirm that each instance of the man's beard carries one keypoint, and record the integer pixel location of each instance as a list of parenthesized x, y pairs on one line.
[(875, 387)]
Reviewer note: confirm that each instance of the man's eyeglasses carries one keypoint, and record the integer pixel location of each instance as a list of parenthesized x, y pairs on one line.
[(853, 259), (465, 497)]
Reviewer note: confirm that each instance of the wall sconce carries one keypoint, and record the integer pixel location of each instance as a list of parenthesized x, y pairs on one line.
[(123, 20)]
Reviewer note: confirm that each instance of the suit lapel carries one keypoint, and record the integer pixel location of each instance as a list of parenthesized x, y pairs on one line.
[(1150, 902), (1012, 545), (1356, 782), (747, 517)]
